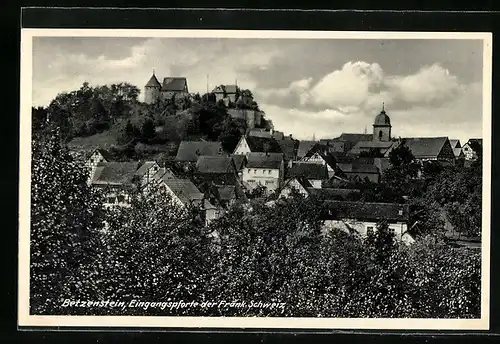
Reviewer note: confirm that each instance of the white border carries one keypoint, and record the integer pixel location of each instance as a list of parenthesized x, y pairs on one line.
[(25, 319)]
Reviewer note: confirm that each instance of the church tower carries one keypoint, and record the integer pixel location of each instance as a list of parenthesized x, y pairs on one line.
[(382, 127), (152, 90)]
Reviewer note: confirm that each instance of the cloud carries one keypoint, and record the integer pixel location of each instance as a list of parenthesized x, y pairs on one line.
[(361, 86)]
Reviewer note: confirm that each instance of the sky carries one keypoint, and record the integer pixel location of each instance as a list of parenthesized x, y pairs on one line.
[(320, 87)]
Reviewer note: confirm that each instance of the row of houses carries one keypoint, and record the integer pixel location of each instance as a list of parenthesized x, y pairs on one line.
[(208, 177)]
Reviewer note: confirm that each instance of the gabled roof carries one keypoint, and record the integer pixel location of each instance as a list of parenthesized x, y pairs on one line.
[(289, 148), (145, 168), (153, 82), (305, 147), (114, 173), (228, 89), (264, 160), (191, 150), (260, 144), (425, 147), (184, 189), (163, 174), (105, 154), (458, 152), (302, 181), (239, 161), (455, 143), (174, 84), (308, 171), (366, 211), (215, 164)]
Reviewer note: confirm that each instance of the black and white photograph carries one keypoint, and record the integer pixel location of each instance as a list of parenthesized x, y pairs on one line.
[(263, 179)]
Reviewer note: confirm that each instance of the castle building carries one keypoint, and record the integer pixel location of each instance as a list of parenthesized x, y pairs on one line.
[(154, 90)]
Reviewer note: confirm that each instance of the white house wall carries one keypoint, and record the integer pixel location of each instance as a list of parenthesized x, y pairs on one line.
[(270, 178), (362, 227)]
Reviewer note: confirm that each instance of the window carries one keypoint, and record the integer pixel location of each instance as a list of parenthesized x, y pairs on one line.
[(269, 182), (248, 170), (269, 172), (380, 134), (254, 171)]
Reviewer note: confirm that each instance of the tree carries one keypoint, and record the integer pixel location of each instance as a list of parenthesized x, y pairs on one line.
[(66, 214), (148, 130)]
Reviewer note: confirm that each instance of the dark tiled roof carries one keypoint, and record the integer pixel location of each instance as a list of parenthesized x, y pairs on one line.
[(357, 168), (289, 148), (145, 168), (184, 189), (114, 173), (480, 141), (308, 171), (239, 161), (174, 84), (215, 164), (263, 160), (355, 138), (278, 135), (153, 82), (305, 147), (367, 211), (331, 193), (425, 147), (191, 150), (259, 144)]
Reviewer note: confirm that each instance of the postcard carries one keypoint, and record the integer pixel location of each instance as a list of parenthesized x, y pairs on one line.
[(221, 179)]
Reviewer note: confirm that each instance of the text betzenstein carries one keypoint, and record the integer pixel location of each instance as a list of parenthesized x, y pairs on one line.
[(171, 305)]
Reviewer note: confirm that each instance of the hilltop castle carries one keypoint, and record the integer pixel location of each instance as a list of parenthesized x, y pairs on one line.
[(154, 90)]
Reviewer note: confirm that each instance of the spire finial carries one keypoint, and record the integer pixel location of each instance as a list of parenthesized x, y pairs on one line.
[(383, 106)]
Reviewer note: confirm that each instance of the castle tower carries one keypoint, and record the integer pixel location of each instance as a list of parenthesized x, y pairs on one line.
[(152, 90), (382, 127)]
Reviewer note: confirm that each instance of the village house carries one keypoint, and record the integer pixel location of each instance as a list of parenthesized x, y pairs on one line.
[(265, 169), (430, 149), (157, 179), (289, 148), (315, 174), (358, 169), (346, 141), (219, 170), (318, 154), (117, 180), (468, 148), (183, 192), (146, 172), (227, 93), (239, 163), (189, 151), (360, 218), (254, 144), (96, 157), (306, 189), (171, 86)]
